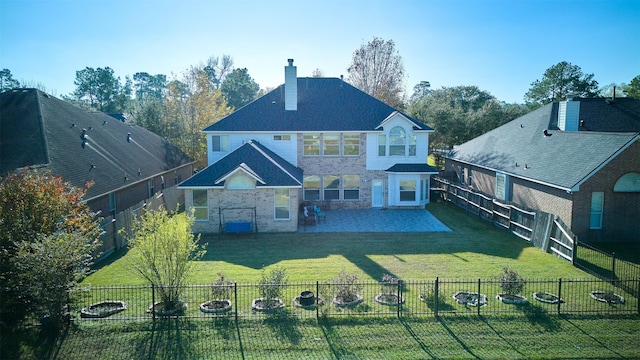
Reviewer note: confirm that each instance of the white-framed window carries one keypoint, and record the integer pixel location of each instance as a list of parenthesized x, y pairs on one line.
[(423, 189), (407, 190), (281, 137), (597, 206), (469, 176), (397, 141), (331, 187), (502, 186), (351, 144), (311, 144), (151, 186), (330, 145), (413, 140), (351, 185), (282, 204), (200, 201), (112, 203), (220, 143), (382, 144), (311, 185)]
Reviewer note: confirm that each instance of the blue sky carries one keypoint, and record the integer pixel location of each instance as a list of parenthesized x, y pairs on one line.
[(499, 46)]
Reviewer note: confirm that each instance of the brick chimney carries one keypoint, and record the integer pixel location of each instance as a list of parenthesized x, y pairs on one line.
[(290, 87)]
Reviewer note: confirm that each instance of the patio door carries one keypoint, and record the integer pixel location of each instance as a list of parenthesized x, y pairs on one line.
[(377, 193)]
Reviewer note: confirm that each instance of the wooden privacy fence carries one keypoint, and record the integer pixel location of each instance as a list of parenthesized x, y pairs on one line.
[(116, 229), (545, 231)]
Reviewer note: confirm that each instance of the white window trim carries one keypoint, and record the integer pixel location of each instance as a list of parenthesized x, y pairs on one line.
[(193, 204), (276, 206), (596, 212)]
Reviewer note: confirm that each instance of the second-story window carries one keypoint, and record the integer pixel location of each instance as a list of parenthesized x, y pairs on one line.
[(351, 144), (397, 141), (311, 144), (412, 144), (382, 145), (331, 144), (220, 143)]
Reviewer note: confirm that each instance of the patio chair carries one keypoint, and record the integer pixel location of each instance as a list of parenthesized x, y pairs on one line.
[(320, 215), (307, 218)]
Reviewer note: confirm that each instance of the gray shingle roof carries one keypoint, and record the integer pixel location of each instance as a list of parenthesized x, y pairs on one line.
[(41, 130), (412, 168), (255, 159), (324, 104), (560, 159)]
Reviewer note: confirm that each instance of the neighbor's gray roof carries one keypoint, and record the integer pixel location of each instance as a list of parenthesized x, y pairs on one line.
[(255, 159), (564, 159), (324, 104), (39, 130)]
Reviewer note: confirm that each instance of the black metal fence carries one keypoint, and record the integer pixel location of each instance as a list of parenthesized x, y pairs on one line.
[(407, 298), (606, 266)]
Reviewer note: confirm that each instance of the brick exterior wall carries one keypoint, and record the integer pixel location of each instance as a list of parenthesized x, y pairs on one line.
[(343, 165), (621, 213)]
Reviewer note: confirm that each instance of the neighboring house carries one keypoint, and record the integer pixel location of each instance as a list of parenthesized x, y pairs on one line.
[(578, 159), (311, 140), (125, 163)]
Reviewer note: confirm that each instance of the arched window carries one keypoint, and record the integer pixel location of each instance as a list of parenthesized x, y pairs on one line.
[(397, 141), (629, 182), (241, 183)]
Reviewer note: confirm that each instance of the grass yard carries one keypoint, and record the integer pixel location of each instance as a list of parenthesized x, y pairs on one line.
[(460, 337), (473, 249)]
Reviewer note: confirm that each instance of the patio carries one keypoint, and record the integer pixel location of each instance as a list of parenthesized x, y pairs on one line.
[(377, 220)]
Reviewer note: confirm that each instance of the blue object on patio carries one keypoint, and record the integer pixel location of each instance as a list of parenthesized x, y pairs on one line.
[(320, 215)]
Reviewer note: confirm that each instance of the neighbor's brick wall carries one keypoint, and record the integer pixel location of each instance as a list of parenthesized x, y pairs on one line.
[(621, 219)]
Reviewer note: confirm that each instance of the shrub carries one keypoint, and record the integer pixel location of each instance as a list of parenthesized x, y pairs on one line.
[(347, 287), (271, 283), (389, 285), (221, 288), (162, 248), (428, 294), (510, 282)]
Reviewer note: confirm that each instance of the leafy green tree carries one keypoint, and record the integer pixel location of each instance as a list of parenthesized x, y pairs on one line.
[(421, 90), (7, 82), (101, 90), (559, 81), (377, 69), (633, 89), (239, 88), (459, 114), (162, 249), (149, 86), (47, 237), (217, 69)]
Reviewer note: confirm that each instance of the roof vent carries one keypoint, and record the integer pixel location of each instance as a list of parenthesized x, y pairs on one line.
[(547, 133), (105, 122), (128, 137)]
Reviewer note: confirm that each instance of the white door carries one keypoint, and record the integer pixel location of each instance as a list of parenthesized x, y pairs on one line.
[(377, 197)]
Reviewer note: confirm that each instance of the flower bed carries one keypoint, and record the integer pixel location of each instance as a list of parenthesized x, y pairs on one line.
[(547, 298), (607, 296), (215, 306), (103, 309), (512, 299), (262, 304), (470, 298), (352, 301), (388, 299)]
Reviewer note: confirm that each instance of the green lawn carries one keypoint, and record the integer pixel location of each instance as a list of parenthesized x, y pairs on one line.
[(474, 249), (458, 337)]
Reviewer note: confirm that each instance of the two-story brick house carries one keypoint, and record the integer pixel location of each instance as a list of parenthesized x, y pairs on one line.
[(578, 159), (316, 140)]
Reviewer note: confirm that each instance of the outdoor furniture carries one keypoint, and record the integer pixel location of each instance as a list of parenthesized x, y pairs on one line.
[(320, 215), (308, 218)]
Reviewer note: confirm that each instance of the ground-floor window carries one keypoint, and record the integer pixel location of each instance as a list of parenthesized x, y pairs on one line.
[(351, 187), (331, 187), (282, 204), (407, 190), (334, 187), (597, 204), (200, 205)]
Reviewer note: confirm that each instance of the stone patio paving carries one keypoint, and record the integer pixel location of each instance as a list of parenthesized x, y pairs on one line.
[(378, 220)]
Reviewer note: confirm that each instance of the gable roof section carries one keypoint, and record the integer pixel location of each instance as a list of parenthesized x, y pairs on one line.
[(412, 168), (560, 159), (252, 157), (324, 104), (39, 130)]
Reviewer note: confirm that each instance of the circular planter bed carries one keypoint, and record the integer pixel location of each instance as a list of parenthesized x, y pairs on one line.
[(470, 298), (215, 306), (352, 301), (160, 309), (296, 303), (547, 298), (103, 309), (262, 304), (607, 296), (388, 299), (512, 299)]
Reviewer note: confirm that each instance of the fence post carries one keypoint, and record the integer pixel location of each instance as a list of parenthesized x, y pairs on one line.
[(437, 295), (153, 302), (399, 307), (559, 294), (479, 302), (638, 296), (613, 265), (317, 301), (235, 299)]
